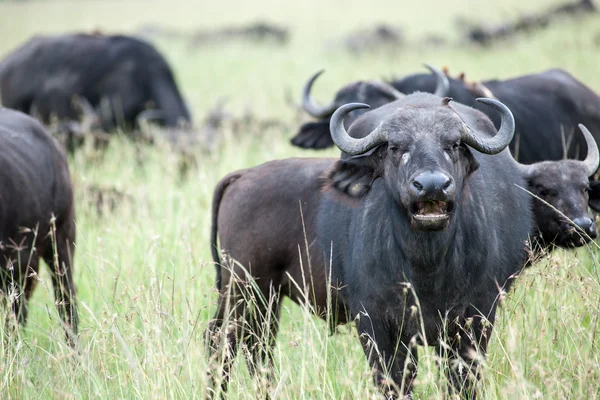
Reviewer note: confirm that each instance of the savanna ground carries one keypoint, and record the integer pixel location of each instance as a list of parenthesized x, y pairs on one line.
[(144, 273)]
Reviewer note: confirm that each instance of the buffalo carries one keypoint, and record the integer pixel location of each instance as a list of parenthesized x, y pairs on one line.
[(423, 257), (547, 108), (116, 78), (38, 216), (262, 215)]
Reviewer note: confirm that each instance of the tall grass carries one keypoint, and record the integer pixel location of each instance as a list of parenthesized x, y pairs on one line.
[(143, 271)]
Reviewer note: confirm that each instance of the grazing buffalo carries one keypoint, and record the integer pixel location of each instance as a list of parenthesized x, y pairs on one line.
[(119, 76), (250, 207), (547, 108), (315, 135), (38, 216)]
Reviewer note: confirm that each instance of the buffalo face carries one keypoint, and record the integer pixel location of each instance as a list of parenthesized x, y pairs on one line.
[(562, 194), (425, 162), (421, 151), (561, 204)]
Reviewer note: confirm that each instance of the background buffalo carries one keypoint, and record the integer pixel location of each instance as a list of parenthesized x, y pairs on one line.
[(37, 217), (560, 98), (118, 76)]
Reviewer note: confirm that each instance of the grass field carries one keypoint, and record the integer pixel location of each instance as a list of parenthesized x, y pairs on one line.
[(144, 273)]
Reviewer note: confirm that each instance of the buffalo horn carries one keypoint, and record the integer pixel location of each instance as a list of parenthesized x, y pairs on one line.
[(505, 134), (345, 142), (593, 158), (386, 88), (443, 86), (308, 103)]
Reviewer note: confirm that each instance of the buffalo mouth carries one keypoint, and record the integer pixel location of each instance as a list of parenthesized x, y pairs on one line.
[(572, 238), (431, 215)]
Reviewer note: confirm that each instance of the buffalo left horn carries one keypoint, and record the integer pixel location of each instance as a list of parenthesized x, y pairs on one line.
[(308, 103), (347, 143), (593, 157), (505, 134), (443, 85)]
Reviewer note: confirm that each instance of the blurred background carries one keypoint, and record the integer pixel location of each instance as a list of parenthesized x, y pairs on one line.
[(340, 36)]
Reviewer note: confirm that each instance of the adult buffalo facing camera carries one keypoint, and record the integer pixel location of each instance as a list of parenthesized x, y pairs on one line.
[(37, 216), (273, 192), (119, 76), (445, 225)]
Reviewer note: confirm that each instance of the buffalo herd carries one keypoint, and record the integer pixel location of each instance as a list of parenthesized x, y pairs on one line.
[(444, 191)]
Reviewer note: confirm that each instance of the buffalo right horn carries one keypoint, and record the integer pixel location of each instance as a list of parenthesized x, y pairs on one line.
[(347, 143), (593, 157), (387, 89), (502, 139), (443, 85), (308, 103)]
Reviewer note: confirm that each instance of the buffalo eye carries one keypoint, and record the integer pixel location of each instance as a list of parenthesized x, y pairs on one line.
[(545, 192), (452, 151), (398, 152), (586, 189)]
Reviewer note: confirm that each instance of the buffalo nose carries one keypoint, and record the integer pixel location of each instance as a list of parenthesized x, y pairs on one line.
[(432, 185), (587, 225)]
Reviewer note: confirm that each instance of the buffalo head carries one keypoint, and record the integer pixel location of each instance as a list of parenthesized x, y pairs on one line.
[(562, 191), (421, 148)]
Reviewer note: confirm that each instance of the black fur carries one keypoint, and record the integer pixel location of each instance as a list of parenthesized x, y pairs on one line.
[(42, 76), (36, 187)]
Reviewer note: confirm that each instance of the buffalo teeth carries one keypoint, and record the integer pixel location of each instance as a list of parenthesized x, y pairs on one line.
[(431, 208)]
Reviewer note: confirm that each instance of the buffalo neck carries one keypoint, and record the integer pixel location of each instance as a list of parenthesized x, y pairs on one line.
[(442, 253)]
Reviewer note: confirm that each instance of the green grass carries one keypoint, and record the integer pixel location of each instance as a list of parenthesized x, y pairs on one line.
[(144, 274)]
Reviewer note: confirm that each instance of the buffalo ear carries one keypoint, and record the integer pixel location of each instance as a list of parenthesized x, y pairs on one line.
[(594, 194), (313, 135), (352, 177), (471, 161)]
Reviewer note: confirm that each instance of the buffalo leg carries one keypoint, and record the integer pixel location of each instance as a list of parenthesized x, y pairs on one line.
[(466, 346), (388, 357), (60, 261), (261, 335), (226, 326), (28, 283), (245, 314), (14, 301)]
